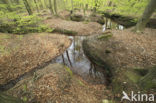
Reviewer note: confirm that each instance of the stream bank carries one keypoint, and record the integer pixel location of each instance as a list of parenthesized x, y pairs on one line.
[(74, 77), (82, 70), (127, 21), (129, 63), (18, 56)]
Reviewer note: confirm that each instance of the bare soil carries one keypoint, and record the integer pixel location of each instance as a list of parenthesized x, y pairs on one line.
[(20, 54)]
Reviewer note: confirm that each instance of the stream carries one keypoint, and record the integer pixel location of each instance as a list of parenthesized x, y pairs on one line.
[(75, 59)]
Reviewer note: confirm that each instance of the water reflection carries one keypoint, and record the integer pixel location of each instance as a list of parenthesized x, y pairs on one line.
[(75, 58), (109, 24)]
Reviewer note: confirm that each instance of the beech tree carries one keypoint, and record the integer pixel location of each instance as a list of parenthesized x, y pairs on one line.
[(150, 8), (28, 7), (36, 6), (55, 6), (51, 7)]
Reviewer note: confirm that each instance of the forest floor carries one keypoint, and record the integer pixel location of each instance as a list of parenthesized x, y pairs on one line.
[(79, 28), (22, 53), (63, 24), (138, 50), (56, 83)]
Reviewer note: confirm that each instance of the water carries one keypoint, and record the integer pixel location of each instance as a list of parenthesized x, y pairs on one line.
[(74, 58), (109, 24)]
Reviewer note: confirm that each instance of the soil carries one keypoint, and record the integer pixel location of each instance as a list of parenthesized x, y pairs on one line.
[(125, 55), (79, 28), (56, 84), (125, 48), (20, 54)]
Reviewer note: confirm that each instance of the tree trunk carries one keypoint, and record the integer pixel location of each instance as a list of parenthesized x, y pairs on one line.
[(51, 7), (55, 6), (36, 6), (28, 7), (45, 3), (41, 5), (9, 99), (146, 16), (72, 4)]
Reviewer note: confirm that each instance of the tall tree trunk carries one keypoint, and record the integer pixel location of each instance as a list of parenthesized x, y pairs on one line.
[(51, 7), (28, 7), (95, 7), (146, 16), (45, 3), (36, 6), (72, 5), (41, 5), (55, 6)]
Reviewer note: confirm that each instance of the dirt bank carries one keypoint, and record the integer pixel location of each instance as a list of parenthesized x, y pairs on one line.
[(73, 27), (126, 48), (129, 59), (56, 83), (20, 54), (128, 21)]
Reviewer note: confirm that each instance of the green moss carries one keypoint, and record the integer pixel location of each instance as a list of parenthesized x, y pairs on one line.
[(23, 25), (5, 36), (107, 101), (133, 76), (81, 83), (20, 37), (105, 36), (68, 70)]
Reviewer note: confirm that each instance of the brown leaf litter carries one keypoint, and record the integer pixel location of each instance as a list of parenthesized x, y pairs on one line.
[(29, 52)]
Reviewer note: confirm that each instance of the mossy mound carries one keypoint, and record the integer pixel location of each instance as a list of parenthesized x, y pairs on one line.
[(118, 56), (77, 17)]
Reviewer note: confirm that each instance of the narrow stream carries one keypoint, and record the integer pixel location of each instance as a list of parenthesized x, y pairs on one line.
[(74, 58)]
